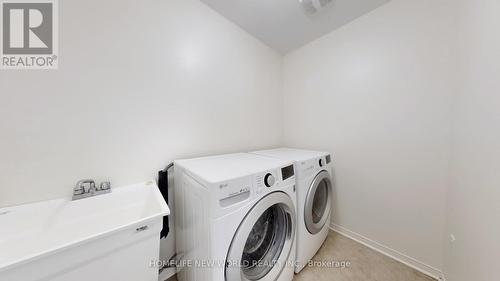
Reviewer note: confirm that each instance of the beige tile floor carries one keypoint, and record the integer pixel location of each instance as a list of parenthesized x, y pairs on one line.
[(365, 264)]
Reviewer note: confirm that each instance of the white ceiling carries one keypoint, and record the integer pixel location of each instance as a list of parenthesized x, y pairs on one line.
[(283, 24)]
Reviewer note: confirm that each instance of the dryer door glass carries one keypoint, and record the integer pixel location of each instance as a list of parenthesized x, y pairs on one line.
[(263, 242), (318, 203)]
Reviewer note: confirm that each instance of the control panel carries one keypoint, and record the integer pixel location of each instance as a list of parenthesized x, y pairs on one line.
[(322, 162), (328, 159), (310, 166), (264, 181), (287, 172), (269, 180), (277, 178), (238, 190)]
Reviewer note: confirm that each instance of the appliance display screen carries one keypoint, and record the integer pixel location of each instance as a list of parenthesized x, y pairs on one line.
[(287, 172), (328, 159)]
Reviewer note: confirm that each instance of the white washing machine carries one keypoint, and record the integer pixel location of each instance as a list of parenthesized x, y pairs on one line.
[(314, 198), (235, 218)]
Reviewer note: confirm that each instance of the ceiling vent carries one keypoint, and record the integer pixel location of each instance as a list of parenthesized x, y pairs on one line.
[(313, 6)]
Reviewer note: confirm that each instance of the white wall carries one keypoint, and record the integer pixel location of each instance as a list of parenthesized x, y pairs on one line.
[(377, 94), (474, 195), (140, 83)]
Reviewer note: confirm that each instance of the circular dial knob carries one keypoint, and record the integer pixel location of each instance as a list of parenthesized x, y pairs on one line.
[(321, 162), (269, 180)]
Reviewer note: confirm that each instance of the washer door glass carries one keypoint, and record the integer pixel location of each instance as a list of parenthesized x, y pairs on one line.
[(263, 242), (318, 203)]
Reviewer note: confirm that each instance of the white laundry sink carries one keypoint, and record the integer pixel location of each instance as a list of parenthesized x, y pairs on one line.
[(113, 236)]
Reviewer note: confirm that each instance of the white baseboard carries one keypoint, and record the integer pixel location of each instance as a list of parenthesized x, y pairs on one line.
[(167, 273), (407, 260)]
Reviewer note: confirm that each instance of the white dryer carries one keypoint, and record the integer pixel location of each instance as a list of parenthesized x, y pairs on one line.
[(235, 218), (314, 198)]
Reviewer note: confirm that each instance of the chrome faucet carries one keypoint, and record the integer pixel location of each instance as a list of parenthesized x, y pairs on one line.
[(87, 188)]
